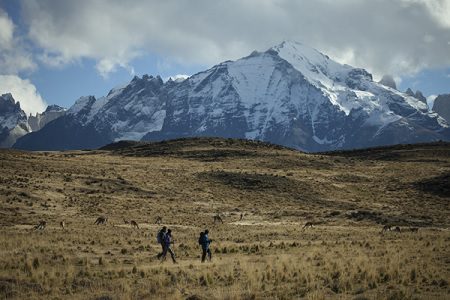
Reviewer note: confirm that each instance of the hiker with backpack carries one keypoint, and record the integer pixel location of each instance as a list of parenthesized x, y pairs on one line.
[(167, 241), (160, 239), (204, 242)]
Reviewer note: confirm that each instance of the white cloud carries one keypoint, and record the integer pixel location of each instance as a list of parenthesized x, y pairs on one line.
[(24, 92), (386, 36), (13, 55), (440, 9), (6, 30), (106, 66)]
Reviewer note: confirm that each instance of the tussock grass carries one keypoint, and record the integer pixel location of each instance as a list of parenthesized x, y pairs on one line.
[(267, 255)]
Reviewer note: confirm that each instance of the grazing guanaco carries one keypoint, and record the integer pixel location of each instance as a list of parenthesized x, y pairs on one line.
[(101, 220), (386, 228), (134, 224), (308, 224), (41, 225), (217, 218)]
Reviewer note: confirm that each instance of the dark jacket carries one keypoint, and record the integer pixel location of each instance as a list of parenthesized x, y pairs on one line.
[(205, 241), (167, 240)]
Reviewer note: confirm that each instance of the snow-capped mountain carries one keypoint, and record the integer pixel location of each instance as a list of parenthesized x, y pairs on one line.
[(291, 95), (38, 121), (13, 121), (418, 95)]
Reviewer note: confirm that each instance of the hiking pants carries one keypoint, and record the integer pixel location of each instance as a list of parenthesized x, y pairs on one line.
[(206, 251), (162, 252), (168, 249)]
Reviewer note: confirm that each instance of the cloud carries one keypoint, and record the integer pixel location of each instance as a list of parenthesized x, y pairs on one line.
[(14, 57), (386, 36), (6, 30), (24, 92), (106, 66)]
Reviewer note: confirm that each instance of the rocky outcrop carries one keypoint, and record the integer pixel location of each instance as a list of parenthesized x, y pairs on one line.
[(442, 106), (13, 121), (389, 81)]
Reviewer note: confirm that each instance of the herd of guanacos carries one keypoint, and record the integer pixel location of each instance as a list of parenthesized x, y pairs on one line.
[(216, 218), (103, 220)]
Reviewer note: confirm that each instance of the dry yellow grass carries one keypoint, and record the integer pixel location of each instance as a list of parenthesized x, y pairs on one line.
[(350, 196)]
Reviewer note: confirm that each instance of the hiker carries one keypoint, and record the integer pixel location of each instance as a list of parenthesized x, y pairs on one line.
[(160, 239), (204, 241), (166, 242)]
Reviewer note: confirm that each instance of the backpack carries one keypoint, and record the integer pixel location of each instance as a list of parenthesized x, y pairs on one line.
[(201, 239), (160, 237)]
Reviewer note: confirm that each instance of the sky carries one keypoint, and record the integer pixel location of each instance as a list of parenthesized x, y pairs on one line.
[(55, 51)]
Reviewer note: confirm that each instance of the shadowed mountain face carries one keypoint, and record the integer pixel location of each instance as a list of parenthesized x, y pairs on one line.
[(442, 106), (52, 112), (290, 95)]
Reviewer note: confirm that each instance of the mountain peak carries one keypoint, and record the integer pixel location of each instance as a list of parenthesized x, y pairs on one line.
[(291, 95), (54, 107), (8, 97), (388, 81), (294, 48)]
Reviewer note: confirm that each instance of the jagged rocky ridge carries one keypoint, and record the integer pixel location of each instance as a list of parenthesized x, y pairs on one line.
[(418, 95), (14, 123), (290, 95), (38, 121)]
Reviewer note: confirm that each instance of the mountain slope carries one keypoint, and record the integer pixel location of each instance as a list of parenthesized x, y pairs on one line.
[(290, 95), (13, 121), (442, 106), (38, 121)]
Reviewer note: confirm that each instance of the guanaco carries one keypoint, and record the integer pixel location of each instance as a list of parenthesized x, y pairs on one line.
[(396, 229), (101, 220), (134, 224), (40, 226), (308, 224), (386, 228), (217, 218)]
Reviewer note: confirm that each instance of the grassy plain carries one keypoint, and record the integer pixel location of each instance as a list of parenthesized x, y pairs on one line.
[(348, 195)]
